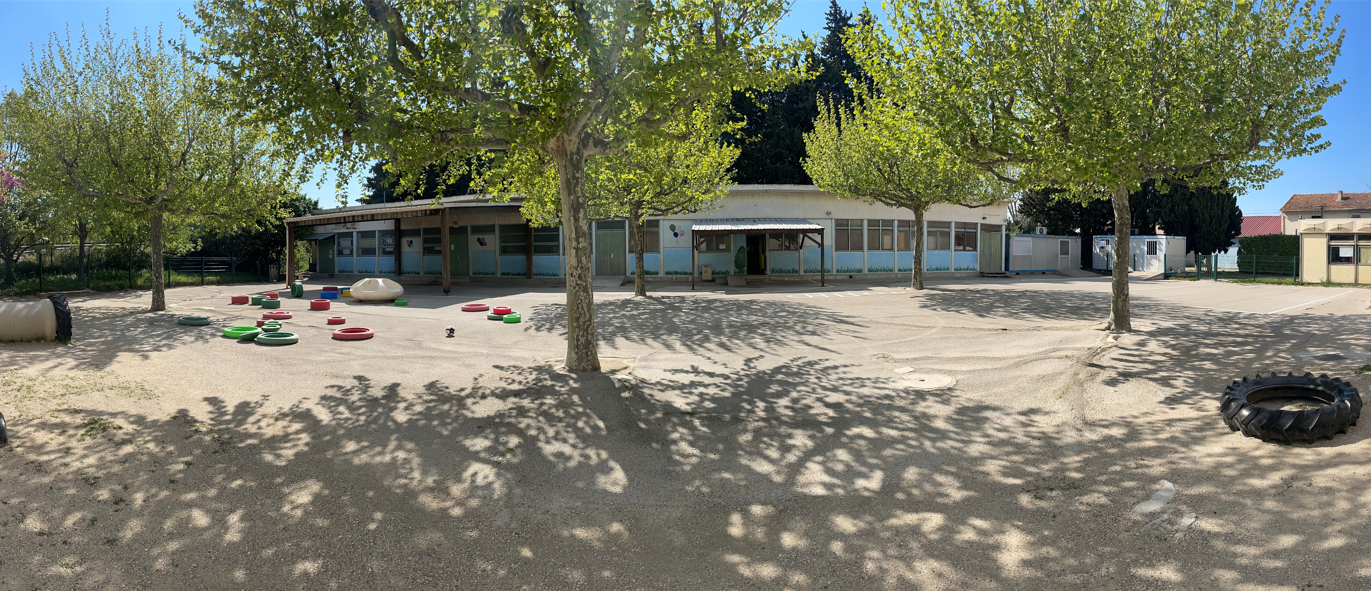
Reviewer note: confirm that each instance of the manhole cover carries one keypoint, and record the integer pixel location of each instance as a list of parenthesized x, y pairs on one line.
[(926, 381)]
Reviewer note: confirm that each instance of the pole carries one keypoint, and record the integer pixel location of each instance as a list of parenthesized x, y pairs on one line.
[(40, 272), (446, 241), (130, 253), (202, 271), (1254, 268), (290, 255), (87, 270), (823, 261)]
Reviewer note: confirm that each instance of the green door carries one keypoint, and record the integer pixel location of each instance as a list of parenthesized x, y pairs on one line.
[(459, 260), (611, 248), (326, 256), (991, 259)]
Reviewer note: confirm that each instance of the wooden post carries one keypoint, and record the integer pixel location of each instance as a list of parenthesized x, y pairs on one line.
[(398, 241), (822, 260), (290, 254), (528, 251), (447, 252)]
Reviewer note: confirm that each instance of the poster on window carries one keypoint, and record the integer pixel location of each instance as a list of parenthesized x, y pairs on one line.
[(1023, 246), (1345, 252)]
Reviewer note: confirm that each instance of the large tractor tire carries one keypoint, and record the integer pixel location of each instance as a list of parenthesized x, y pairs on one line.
[(1331, 406), (4, 433)]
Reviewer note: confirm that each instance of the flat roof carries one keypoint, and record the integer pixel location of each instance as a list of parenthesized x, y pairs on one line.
[(753, 226)]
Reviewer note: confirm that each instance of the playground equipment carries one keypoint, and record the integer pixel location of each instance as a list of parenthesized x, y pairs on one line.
[(355, 333), (48, 319), (336, 320), (373, 289), (277, 315), (318, 304), (278, 338), (238, 299), (475, 307), (193, 320)]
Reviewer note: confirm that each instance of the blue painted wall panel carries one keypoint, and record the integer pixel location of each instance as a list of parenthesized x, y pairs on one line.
[(513, 266), (433, 265), (812, 258), (409, 263), (964, 261), (783, 263), (385, 265), (721, 262), (677, 261), (345, 265), (366, 265), (904, 261), (652, 263), (483, 262), (880, 262), (849, 262), (938, 261), (547, 266)]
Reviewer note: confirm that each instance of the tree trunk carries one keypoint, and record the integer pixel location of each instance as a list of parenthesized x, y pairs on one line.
[(9, 278), (82, 230), (159, 291), (636, 223), (1119, 320), (917, 280), (568, 154)]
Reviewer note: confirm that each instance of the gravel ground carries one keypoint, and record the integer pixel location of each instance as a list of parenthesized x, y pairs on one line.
[(977, 435)]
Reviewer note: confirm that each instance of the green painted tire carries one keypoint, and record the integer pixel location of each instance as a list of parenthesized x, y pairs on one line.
[(494, 316), (512, 318), (256, 300), (250, 335), (193, 321), (402, 302), (237, 331), (278, 338), (271, 304), (271, 326)]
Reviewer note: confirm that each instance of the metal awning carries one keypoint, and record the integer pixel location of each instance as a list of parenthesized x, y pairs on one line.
[(364, 215), (317, 236), (755, 226)]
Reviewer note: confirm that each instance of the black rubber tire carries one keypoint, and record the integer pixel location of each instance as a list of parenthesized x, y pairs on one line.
[(1342, 408), (62, 310), (4, 433)]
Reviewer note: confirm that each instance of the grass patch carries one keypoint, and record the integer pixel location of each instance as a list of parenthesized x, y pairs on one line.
[(1364, 369)]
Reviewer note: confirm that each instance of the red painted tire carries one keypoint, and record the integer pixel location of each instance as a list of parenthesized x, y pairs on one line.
[(318, 304), (277, 315), (501, 310), (355, 333), (475, 307), (273, 295), (330, 288), (336, 320), (238, 300)]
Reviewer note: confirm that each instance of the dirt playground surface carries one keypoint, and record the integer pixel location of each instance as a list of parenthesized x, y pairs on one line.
[(977, 435)]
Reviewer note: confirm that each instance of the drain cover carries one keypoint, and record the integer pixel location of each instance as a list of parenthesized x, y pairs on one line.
[(926, 381)]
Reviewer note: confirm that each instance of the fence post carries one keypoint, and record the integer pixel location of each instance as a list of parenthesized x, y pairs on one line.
[(1255, 259), (130, 269), (88, 270), (40, 272), (202, 271)]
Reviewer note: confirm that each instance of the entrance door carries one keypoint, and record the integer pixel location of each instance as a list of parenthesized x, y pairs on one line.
[(1153, 259), (756, 254), (991, 259), (611, 248), (1063, 254), (460, 259), (326, 255)]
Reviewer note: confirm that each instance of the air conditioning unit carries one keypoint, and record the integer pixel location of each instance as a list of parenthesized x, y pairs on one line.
[(1042, 230)]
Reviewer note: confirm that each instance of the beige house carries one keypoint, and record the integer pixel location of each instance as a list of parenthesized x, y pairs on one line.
[(1323, 206)]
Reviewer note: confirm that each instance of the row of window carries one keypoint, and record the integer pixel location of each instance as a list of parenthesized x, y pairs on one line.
[(900, 235), (1345, 254)]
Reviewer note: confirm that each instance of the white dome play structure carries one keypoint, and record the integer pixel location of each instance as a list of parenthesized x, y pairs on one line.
[(373, 289)]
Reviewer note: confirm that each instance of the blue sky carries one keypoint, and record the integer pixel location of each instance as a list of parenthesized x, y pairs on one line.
[(1343, 166)]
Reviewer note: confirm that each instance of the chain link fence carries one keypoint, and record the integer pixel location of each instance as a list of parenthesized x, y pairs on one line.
[(1224, 266)]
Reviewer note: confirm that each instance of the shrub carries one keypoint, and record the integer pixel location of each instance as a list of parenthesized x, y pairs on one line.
[(1271, 244)]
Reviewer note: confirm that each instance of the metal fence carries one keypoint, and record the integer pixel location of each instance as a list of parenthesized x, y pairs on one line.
[(115, 268), (1223, 266)]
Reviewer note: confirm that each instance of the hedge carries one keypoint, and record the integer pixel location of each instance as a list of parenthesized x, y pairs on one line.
[(1270, 245)]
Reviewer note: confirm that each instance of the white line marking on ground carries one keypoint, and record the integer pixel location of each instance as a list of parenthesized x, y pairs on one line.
[(1313, 302)]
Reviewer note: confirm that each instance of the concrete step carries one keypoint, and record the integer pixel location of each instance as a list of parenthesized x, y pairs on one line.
[(607, 280)]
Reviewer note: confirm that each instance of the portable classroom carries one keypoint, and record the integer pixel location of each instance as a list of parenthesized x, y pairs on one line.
[(1043, 253), (1146, 253)]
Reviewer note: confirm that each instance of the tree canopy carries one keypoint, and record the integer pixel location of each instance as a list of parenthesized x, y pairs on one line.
[(347, 83), (1087, 95)]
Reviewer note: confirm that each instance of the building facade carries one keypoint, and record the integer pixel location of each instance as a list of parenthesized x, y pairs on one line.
[(486, 239), (1320, 206)]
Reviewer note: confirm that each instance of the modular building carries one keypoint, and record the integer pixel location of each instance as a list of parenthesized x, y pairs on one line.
[(1043, 253), (1145, 253), (759, 230), (1335, 250)]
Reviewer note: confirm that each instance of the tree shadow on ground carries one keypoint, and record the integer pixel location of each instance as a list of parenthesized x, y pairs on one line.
[(779, 472)]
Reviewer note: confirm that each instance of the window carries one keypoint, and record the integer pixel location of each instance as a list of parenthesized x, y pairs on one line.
[(610, 225), (651, 238), (433, 241), (904, 235), (775, 242), (1339, 237), (880, 234), (964, 237), (847, 235), (1364, 255), (1340, 254), (345, 245), (939, 236), (1153, 247), (714, 243), (388, 243), (513, 239), (366, 244), (1063, 248), (547, 241)]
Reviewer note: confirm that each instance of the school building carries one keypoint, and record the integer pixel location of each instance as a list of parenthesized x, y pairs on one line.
[(756, 230)]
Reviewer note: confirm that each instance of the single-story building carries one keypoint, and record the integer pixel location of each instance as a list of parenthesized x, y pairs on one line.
[(1043, 253), (763, 230), (1146, 253), (1322, 206), (1335, 250)]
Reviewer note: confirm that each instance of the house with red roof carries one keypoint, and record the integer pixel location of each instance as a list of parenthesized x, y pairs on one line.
[(1316, 206), (1260, 225)]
